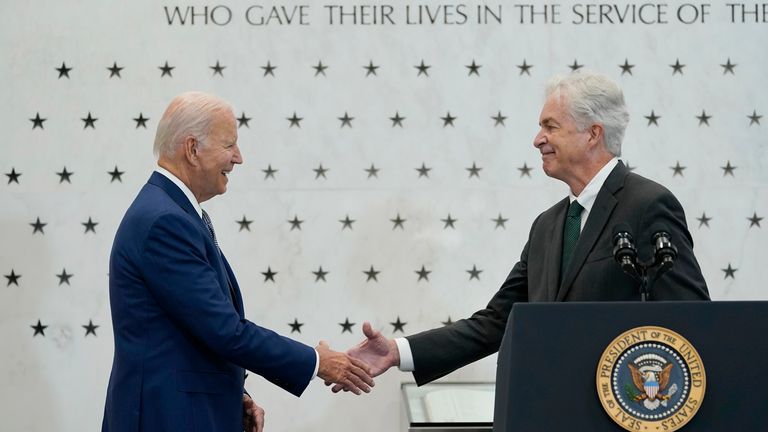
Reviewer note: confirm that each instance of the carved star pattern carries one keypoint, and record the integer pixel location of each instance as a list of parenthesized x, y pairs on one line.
[(320, 172), (346, 326), (677, 67), (295, 120), (90, 121), (13, 176), (90, 226), (728, 67), (398, 326), (703, 118), (575, 66), (447, 322), (269, 69), (64, 175), (38, 226), (320, 68), (296, 326), (398, 222), (474, 170), (474, 273), (474, 68), (626, 67), (449, 222), (243, 121), (423, 69), (525, 170), (346, 223), (754, 220), (269, 172), (423, 170), (704, 220), (653, 119), (525, 68), (320, 274), (370, 69), (500, 221), (423, 274), (64, 277), (269, 275), (448, 119), (372, 274), (245, 224), (39, 329), (397, 120), (728, 169), (37, 122), (63, 70), (13, 278), (166, 70), (753, 119), (499, 119), (218, 69), (295, 223), (141, 121), (372, 171), (90, 328), (114, 70), (116, 174), (678, 169), (346, 120)]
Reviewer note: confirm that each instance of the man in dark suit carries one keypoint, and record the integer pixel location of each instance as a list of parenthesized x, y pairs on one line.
[(182, 342), (569, 253)]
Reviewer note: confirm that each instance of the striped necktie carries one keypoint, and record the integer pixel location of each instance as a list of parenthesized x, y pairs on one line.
[(571, 231)]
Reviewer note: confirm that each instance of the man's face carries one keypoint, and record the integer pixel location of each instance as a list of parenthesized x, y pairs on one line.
[(563, 147), (217, 157)]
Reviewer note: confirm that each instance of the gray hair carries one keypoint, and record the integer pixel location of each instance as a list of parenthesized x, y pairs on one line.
[(594, 98), (188, 114)]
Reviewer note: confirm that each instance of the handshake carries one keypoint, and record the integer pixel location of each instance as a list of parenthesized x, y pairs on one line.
[(355, 370)]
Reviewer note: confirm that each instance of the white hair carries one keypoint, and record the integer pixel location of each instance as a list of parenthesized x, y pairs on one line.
[(188, 114), (593, 98)]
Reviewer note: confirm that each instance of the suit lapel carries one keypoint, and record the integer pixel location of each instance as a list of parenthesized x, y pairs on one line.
[(553, 253), (596, 221)]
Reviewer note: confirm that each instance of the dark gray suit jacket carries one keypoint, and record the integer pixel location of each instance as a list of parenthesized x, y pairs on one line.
[(593, 275)]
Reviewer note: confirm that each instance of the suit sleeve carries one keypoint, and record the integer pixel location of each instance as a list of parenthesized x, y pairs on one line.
[(684, 281), (186, 286), (440, 351)]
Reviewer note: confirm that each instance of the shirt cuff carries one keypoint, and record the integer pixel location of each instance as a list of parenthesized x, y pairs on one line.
[(406, 356), (317, 365)]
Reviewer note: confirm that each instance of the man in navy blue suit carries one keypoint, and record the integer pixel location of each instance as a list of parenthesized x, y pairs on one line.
[(182, 342)]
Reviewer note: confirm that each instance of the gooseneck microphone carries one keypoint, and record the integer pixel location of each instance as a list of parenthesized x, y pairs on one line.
[(664, 252), (624, 250)]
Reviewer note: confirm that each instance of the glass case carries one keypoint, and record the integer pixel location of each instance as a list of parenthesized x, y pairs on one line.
[(448, 407)]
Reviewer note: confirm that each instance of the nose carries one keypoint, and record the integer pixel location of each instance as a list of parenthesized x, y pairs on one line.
[(237, 157), (540, 139)]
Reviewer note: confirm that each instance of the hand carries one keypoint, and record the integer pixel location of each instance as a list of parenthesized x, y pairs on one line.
[(346, 372), (376, 350), (253, 415)]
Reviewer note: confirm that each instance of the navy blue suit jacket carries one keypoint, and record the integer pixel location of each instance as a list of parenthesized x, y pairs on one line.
[(181, 340)]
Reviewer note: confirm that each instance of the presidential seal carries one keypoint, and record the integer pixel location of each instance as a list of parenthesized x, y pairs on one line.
[(651, 379)]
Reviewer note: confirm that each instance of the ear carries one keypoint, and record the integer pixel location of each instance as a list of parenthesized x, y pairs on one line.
[(190, 148), (596, 134)]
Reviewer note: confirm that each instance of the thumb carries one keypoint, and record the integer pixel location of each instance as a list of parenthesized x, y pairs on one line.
[(368, 330)]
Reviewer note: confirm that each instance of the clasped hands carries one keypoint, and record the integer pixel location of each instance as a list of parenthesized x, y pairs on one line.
[(355, 370)]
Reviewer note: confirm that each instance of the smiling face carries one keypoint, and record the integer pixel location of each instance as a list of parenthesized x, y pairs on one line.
[(216, 158), (563, 146)]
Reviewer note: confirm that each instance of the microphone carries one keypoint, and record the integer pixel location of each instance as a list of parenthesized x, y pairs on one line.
[(664, 252), (624, 250)]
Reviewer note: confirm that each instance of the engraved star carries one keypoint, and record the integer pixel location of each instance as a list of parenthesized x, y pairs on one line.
[(449, 222), (38, 226), (39, 329), (89, 121), (320, 171), (90, 226), (13, 176), (626, 67), (13, 278), (753, 119), (423, 69), (754, 220), (398, 222), (320, 68), (398, 326), (653, 118), (269, 275), (114, 71), (372, 171), (704, 220), (63, 70), (730, 272), (370, 69), (166, 70), (372, 274), (64, 277), (703, 118), (218, 69), (474, 273), (346, 222), (525, 68), (346, 326), (295, 223), (423, 171), (474, 68), (269, 69), (677, 67), (320, 274), (64, 175), (116, 175), (474, 171), (296, 326), (728, 67), (499, 119), (500, 222), (90, 328), (423, 274), (37, 122), (141, 121), (448, 119), (728, 169), (678, 169), (346, 120), (448, 321), (575, 66), (269, 172), (243, 121), (245, 224), (397, 120), (295, 120), (525, 170)]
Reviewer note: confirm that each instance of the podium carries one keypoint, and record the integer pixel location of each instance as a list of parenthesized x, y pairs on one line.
[(555, 355)]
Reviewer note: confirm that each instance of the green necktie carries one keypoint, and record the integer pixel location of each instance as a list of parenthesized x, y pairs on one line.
[(571, 231)]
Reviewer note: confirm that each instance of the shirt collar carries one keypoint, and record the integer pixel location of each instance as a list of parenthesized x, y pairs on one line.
[(588, 195), (188, 193)]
